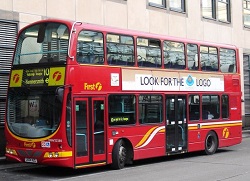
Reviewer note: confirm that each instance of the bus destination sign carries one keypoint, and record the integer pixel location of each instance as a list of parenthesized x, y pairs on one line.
[(53, 76)]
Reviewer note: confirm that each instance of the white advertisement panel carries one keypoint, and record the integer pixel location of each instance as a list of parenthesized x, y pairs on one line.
[(147, 80)]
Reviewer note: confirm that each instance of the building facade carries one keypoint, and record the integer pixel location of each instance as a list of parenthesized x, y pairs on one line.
[(221, 21)]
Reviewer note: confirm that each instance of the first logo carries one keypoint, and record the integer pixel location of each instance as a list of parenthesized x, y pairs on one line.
[(16, 78)]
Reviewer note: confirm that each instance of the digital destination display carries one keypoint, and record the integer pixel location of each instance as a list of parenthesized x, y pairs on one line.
[(53, 76)]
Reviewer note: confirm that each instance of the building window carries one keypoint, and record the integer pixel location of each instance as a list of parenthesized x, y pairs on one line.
[(216, 9), (246, 65), (175, 5), (246, 12), (178, 5), (159, 3)]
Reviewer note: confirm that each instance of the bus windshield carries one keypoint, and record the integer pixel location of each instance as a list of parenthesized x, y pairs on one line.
[(34, 114), (42, 43)]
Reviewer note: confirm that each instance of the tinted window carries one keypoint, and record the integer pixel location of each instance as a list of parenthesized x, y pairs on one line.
[(90, 47), (148, 52), (174, 56), (150, 108), (120, 50), (122, 109)]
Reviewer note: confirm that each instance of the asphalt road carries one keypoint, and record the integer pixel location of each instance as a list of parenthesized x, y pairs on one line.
[(228, 164)]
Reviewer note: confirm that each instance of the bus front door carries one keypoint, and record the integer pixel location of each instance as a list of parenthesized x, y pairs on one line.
[(176, 124), (89, 139)]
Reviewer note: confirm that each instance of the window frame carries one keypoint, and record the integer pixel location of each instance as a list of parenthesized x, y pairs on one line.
[(209, 54), (171, 64), (209, 107), (121, 115), (162, 5), (215, 10), (145, 55), (120, 53), (90, 57), (194, 100), (246, 71), (159, 103), (181, 9), (244, 14), (166, 5)]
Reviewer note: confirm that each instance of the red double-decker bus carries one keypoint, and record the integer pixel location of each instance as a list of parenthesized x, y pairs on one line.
[(83, 95)]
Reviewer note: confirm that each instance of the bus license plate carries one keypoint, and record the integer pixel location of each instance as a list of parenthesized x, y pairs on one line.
[(30, 160)]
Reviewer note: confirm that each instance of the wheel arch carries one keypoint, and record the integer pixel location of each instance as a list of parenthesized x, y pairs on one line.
[(211, 133), (130, 150)]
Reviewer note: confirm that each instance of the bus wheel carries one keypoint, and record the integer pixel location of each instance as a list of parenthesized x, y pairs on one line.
[(211, 143), (119, 155)]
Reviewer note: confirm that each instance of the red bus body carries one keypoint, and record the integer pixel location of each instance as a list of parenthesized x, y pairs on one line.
[(92, 88)]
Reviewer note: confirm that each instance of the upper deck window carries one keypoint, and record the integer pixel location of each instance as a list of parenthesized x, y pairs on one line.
[(42, 43), (90, 47), (227, 60), (174, 56), (192, 56), (209, 58), (120, 50), (148, 52)]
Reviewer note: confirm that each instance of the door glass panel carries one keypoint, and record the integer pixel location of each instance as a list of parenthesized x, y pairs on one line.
[(181, 112), (170, 106), (81, 128), (99, 126), (176, 128)]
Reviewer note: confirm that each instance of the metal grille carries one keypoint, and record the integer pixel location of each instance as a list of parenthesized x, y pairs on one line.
[(8, 34), (2, 111), (246, 83)]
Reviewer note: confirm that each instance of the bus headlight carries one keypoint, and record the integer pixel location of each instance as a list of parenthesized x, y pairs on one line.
[(11, 151), (56, 154), (50, 154)]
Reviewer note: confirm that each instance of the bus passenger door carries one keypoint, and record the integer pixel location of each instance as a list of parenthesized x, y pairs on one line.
[(89, 139), (176, 124)]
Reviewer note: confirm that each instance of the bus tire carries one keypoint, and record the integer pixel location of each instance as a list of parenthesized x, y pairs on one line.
[(119, 155), (211, 143)]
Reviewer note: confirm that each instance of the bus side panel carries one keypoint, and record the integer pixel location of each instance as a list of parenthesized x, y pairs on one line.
[(146, 141), (230, 135), (195, 141)]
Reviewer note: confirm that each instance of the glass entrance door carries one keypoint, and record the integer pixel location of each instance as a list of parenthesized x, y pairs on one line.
[(176, 125), (89, 139)]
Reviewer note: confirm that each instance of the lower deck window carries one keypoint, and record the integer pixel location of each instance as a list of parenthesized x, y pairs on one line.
[(150, 109), (122, 109)]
